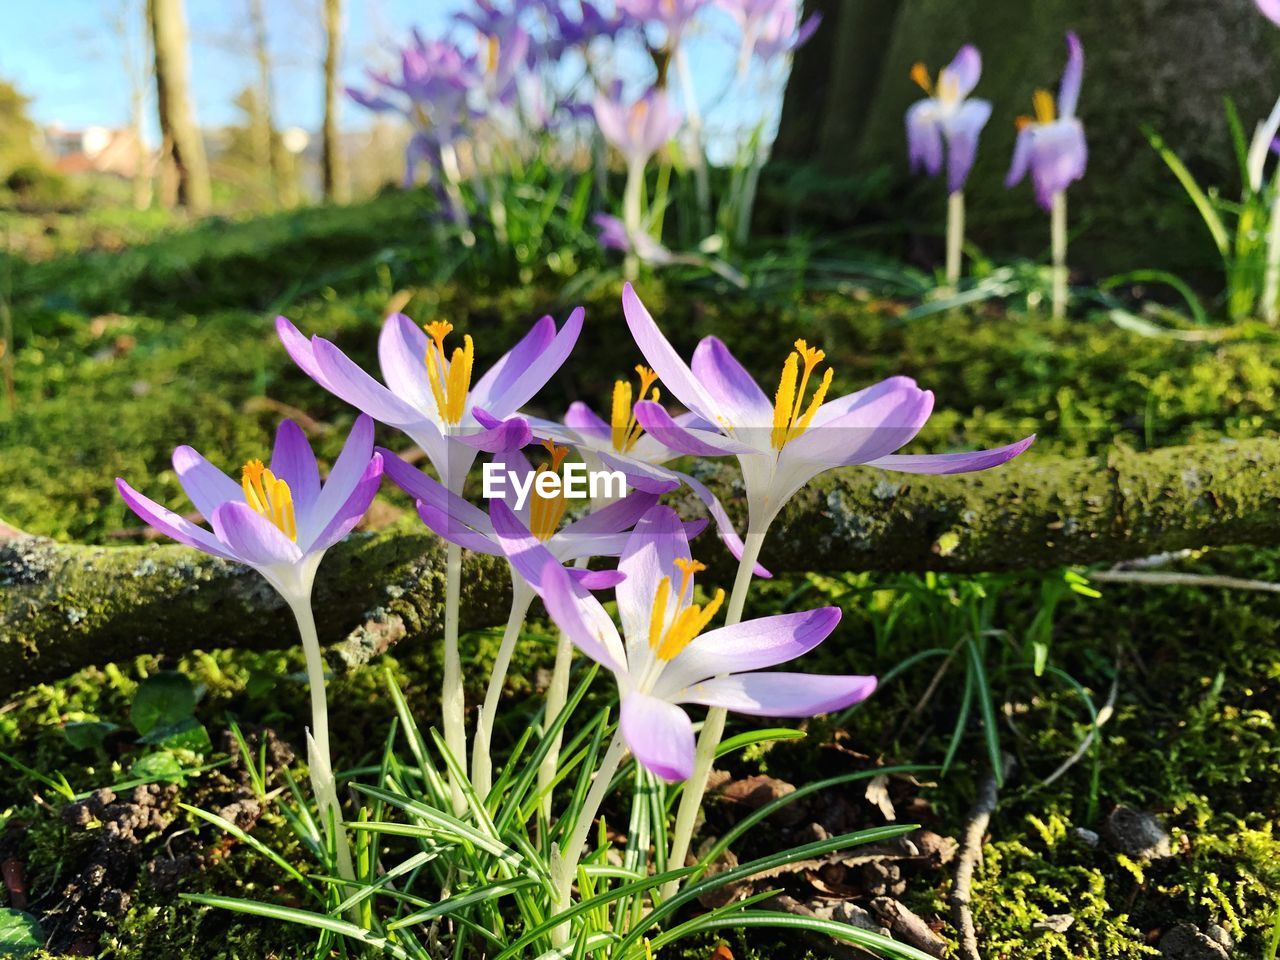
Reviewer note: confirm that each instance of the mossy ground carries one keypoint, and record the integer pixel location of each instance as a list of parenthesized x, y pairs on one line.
[(163, 335)]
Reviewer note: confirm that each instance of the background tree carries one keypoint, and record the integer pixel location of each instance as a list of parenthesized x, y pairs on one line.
[(184, 169), (1169, 63), (124, 20), (18, 149), (334, 174)]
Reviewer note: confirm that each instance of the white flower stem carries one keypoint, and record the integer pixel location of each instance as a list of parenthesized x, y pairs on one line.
[(557, 697), (452, 696), (955, 236), (1058, 230), (1271, 285), (481, 751), (564, 863), (632, 199), (319, 761), (695, 787), (701, 178)]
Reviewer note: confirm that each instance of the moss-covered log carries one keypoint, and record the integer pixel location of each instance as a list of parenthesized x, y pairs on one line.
[(65, 606)]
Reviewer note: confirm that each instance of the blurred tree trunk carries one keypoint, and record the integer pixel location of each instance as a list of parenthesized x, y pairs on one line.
[(1168, 63), (128, 21), (334, 174), (185, 171), (267, 150)]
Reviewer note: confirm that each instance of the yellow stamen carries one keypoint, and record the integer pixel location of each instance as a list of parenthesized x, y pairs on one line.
[(1043, 102), (948, 87), (545, 513), (1023, 122), (920, 74), (788, 423), (269, 497), (688, 622), (622, 418), (449, 385), (494, 47)]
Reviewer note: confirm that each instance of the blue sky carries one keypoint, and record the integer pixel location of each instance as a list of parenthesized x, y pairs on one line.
[(65, 56)]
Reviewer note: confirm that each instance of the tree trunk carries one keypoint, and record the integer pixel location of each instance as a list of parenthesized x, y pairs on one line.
[(334, 173), (66, 606), (1169, 63), (187, 171), (266, 145)]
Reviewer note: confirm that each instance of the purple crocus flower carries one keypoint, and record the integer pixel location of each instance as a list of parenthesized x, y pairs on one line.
[(430, 395), (770, 28), (601, 533), (278, 520), (662, 659), (613, 236), (639, 129), (674, 16), (946, 116), (1051, 145), (1270, 9), (783, 444)]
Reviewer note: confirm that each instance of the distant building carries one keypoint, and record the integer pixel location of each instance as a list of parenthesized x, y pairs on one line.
[(96, 150)]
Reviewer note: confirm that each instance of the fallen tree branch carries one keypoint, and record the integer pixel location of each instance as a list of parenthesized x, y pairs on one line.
[(970, 852), (66, 606)]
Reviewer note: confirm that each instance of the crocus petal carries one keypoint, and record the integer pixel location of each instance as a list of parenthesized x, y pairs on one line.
[(596, 579), (533, 375), (1072, 76), (499, 378), (651, 552), (941, 463), (700, 443), (964, 71), (348, 472), (527, 554), (962, 129), (751, 645), (294, 463), (206, 486), (353, 511), (419, 486), (344, 378), (614, 518), (645, 477), (587, 422), (496, 436), (924, 137), (1270, 9), (1059, 156), (171, 524), (402, 355), (581, 617), (1021, 156), (737, 395), (781, 694), (724, 525), (869, 431), (659, 734), (301, 351), (842, 406), (252, 538), (448, 527), (662, 357)]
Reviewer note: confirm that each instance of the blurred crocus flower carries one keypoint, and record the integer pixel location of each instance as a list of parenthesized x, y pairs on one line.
[(674, 16), (638, 129), (279, 520), (1270, 9), (590, 24), (783, 444), (947, 119), (770, 28), (614, 236), (1051, 145), (663, 658), (429, 393)]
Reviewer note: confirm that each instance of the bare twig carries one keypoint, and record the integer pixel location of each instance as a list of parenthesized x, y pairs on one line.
[(967, 859), (1184, 580)]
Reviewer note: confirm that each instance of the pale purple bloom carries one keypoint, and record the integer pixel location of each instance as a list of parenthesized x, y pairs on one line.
[(280, 520), (783, 444), (601, 533), (947, 120), (662, 658), (613, 236), (450, 417), (1051, 145), (1270, 9), (674, 16), (638, 129), (770, 28)]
